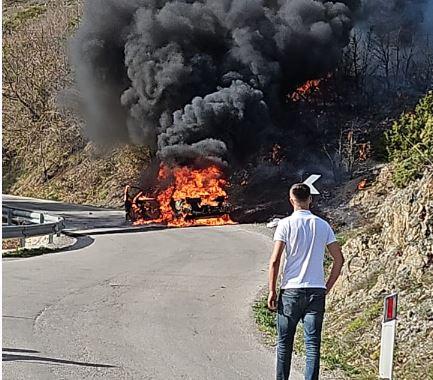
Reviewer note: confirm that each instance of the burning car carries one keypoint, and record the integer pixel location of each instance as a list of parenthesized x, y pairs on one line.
[(194, 208), (188, 197)]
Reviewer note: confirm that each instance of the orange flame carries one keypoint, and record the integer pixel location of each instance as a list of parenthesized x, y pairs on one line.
[(308, 88), (206, 184), (276, 154), (363, 152), (362, 184)]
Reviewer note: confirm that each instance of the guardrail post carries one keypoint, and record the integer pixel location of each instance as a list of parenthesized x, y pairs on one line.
[(50, 239), (41, 218), (9, 221), (22, 242)]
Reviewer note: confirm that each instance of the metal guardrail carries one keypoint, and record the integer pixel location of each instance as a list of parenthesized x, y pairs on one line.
[(17, 223)]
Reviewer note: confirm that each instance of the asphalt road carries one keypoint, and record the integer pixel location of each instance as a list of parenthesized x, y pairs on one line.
[(76, 216), (166, 304)]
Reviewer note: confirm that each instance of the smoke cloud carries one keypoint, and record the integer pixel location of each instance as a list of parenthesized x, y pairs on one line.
[(200, 81), (390, 15)]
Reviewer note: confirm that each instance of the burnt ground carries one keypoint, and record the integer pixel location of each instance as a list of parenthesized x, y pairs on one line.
[(341, 141), (266, 199)]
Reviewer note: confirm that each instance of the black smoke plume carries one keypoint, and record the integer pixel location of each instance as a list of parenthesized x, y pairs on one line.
[(390, 15), (200, 81)]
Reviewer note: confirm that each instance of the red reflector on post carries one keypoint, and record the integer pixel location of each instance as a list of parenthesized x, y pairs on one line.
[(389, 308), (390, 311)]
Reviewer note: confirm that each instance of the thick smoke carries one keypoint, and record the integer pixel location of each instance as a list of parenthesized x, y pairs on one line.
[(390, 15), (200, 81)]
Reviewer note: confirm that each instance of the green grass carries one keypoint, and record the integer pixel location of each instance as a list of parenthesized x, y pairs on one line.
[(17, 19), (343, 237), (410, 142), (357, 324), (335, 353), (265, 319), (374, 311)]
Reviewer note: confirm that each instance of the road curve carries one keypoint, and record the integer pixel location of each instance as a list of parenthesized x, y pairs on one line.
[(166, 304)]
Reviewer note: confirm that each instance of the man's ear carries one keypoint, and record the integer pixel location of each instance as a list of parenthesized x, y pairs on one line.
[(291, 201)]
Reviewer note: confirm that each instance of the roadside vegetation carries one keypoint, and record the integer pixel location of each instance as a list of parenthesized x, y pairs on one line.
[(45, 153), (333, 356), (27, 252), (21, 16), (265, 319), (393, 251), (410, 142)]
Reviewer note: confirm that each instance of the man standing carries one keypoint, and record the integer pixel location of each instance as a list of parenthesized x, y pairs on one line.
[(305, 237), (128, 203)]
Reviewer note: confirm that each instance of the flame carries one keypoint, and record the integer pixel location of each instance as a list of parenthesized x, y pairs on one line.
[(363, 152), (362, 184), (183, 182), (276, 154), (308, 88)]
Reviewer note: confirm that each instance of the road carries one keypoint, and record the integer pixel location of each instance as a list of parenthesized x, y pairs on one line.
[(173, 303), (76, 216)]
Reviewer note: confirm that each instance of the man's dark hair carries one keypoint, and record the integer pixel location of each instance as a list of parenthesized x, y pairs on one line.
[(300, 191)]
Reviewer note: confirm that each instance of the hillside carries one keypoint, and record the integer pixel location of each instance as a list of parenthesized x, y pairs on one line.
[(45, 153), (387, 228), (393, 252), (389, 249)]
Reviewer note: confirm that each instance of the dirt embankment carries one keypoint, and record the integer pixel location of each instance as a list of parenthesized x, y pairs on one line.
[(393, 251)]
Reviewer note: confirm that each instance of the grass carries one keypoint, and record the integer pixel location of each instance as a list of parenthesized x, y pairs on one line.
[(17, 19), (343, 237), (357, 324), (265, 319), (374, 311), (28, 252), (336, 353), (341, 350), (266, 323)]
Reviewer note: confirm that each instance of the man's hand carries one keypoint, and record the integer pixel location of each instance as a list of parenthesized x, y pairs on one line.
[(274, 266), (272, 301)]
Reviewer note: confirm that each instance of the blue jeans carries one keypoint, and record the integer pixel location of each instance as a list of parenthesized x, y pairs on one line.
[(307, 305)]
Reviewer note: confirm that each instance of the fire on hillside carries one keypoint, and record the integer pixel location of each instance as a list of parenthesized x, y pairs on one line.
[(185, 197), (304, 91)]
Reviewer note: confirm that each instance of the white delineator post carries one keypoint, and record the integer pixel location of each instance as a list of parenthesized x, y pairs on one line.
[(388, 336)]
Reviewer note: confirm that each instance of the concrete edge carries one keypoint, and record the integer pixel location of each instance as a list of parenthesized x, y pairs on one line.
[(114, 230)]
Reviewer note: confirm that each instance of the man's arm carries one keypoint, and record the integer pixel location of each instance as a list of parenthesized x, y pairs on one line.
[(274, 267), (338, 261)]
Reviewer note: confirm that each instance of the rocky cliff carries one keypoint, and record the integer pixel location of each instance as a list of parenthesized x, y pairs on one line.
[(393, 251)]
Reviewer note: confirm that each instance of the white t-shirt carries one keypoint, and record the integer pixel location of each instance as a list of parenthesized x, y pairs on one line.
[(306, 237)]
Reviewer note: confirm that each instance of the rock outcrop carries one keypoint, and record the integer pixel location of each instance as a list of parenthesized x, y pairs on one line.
[(392, 252)]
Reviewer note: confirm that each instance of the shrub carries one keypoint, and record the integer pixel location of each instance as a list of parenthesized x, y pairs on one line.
[(410, 142)]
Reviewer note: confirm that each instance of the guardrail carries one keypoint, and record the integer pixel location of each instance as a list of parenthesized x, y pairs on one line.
[(17, 223)]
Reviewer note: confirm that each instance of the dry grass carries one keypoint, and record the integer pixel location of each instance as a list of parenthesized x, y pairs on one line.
[(44, 152), (10, 244)]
